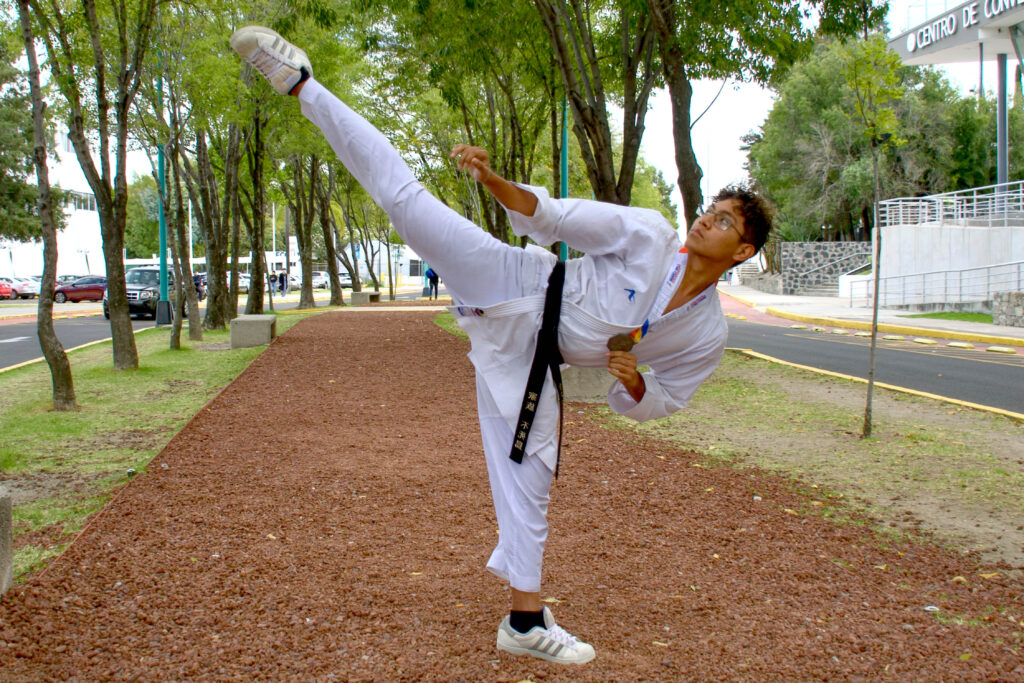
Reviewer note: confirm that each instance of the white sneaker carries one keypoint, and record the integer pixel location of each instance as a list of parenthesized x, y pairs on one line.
[(552, 642), (283, 64)]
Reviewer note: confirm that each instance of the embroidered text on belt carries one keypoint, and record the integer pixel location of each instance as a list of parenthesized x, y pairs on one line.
[(547, 356)]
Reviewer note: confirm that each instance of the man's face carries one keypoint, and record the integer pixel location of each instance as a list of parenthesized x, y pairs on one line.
[(718, 234)]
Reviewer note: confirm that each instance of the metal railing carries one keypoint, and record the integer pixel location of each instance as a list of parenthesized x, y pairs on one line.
[(987, 206), (970, 285)]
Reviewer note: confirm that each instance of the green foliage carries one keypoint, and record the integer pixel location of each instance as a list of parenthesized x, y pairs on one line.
[(142, 227), (18, 193), (813, 154)]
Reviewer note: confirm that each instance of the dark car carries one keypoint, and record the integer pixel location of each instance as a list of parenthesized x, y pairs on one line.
[(88, 288), (142, 287)]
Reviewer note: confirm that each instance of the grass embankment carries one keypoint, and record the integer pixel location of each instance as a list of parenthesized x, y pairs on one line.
[(954, 315), (61, 467), (929, 464)]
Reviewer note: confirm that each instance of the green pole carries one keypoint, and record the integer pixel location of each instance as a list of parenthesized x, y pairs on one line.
[(563, 250), (163, 306)]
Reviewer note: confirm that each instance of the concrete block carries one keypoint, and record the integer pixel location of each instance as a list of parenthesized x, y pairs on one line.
[(365, 297), (253, 330), (589, 385), (6, 541)]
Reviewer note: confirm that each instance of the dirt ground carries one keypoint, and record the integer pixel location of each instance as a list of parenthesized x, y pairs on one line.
[(327, 517)]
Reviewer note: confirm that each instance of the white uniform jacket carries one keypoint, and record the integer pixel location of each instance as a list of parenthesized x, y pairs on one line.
[(632, 265)]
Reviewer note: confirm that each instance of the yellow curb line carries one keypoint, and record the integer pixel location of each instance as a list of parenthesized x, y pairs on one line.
[(897, 329), (891, 387)]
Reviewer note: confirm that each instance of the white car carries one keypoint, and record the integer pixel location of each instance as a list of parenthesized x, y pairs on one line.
[(243, 282), (321, 280), (21, 288)]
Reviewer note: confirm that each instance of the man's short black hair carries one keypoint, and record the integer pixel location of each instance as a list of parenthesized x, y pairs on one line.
[(755, 211)]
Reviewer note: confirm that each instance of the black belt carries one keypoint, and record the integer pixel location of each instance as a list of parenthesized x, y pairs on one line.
[(547, 356)]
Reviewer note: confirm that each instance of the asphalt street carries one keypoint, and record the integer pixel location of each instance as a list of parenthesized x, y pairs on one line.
[(971, 375), (19, 343)]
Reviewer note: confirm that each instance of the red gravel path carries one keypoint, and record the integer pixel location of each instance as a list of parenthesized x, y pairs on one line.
[(327, 517)]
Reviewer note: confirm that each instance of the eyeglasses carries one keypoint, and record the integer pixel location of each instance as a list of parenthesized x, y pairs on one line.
[(722, 220)]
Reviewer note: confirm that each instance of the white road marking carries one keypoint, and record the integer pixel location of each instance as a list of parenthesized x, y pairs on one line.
[(13, 339)]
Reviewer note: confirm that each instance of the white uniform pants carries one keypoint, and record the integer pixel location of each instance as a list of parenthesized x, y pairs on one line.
[(478, 270)]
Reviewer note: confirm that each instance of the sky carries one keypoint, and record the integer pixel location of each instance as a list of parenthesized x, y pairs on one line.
[(743, 107)]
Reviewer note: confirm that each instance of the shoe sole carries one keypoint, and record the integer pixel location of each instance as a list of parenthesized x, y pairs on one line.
[(516, 650)]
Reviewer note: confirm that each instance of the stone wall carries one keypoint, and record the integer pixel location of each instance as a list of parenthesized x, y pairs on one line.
[(1008, 309), (764, 282), (827, 260)]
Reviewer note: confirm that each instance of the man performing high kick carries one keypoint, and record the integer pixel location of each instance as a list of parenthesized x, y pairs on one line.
[(526, 314)]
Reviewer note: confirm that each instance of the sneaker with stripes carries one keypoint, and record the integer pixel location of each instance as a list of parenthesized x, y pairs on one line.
[(283, 64), (552, 642)]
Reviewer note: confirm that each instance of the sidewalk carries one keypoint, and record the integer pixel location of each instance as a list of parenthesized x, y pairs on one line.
[(836, 312)]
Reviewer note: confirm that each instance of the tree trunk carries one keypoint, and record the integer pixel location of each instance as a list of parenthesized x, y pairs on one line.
[(327, 227), (184, 266), (569, 29), (53, 350), (303, 205), (177, 307), (673, 65), (255, 153), (200, 180)]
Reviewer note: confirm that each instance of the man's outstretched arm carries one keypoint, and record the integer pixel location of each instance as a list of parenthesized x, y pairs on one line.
[(478, 163)]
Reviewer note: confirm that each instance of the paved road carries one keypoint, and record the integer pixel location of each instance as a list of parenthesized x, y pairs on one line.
[(975, 376), (969, 375), (19, 343)]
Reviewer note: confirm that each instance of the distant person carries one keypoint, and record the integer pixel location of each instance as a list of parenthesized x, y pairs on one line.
[(432, 280), (282, 279), (526, 313), (273, 281)]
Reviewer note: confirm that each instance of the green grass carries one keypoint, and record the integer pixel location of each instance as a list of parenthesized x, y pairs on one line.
[(953, 315), (446, 321), (67, 464)]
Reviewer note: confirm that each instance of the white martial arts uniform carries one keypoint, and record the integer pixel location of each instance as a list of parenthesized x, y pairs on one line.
[(632, 266)]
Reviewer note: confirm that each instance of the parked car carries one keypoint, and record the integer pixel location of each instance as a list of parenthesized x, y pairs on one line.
[(14, 287), (295, 280), (321, 280), (345, 280), (243, 282), (5, 290), (27, 287), (142, 287), (88, 288)]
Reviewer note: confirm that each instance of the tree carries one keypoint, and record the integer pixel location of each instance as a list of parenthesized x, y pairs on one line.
[(815, 162), (18, 196), (53, 350), (142, 224), (749, 40), (870, 71), (597, 44), (99, 53)]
